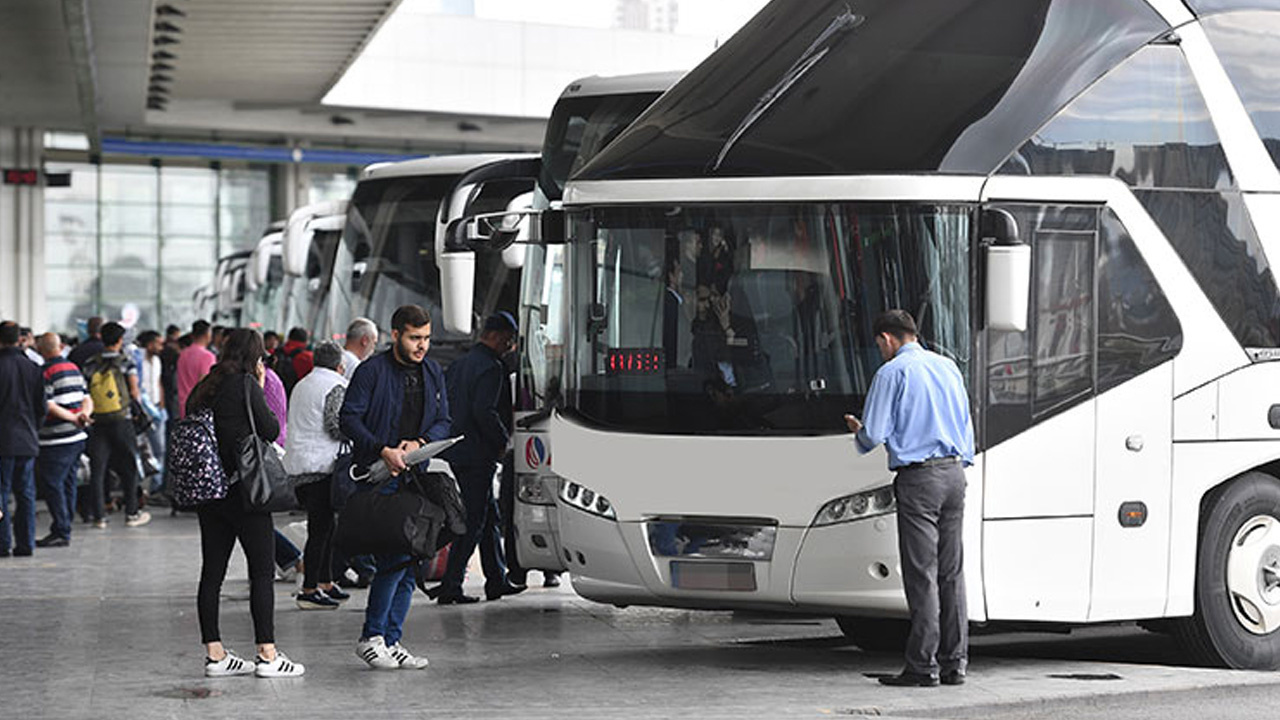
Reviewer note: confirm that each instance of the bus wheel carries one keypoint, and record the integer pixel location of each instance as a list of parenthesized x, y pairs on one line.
[(1237, 589), (875, 634)]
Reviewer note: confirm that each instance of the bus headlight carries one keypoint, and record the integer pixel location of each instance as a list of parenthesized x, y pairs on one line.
[(869, 503), (532, 490), (585, 499)]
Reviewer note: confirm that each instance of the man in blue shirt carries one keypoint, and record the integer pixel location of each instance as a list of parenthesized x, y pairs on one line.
[(917, 407)]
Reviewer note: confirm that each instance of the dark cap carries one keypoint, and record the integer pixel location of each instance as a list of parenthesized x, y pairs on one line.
[(501, 321)]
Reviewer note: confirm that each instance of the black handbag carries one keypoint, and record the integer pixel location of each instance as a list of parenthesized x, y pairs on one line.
[(342, 486), (265, 485)]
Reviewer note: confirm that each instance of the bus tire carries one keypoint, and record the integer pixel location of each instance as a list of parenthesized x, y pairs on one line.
[(875, 634), (1237, 590)]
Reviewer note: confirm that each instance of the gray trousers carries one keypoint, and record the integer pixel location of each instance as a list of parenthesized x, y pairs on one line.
[(930, 545)]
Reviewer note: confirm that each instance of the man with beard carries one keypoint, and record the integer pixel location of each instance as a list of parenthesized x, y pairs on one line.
[(395, 404)]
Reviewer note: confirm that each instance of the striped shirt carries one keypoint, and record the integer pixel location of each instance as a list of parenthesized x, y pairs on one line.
[(64, 385)]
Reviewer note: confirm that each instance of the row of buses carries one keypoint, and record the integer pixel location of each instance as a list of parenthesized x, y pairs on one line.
[(1077, 199)]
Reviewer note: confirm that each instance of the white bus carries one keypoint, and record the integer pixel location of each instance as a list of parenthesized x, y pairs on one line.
[(392, 240), (308, 248), (264, 280), (726, 255)]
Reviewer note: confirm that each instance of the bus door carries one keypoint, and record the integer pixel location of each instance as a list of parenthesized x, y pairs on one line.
[(1083, 399)]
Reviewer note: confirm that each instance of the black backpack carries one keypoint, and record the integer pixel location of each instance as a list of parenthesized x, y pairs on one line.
[(284, 368)]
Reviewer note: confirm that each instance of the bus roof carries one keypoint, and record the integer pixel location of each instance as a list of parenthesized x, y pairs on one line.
[(437, 165), (621, 84)]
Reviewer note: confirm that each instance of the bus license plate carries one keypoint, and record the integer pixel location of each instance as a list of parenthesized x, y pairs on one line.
[(713, 575)]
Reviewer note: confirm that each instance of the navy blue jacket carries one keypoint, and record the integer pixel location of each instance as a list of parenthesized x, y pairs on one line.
[(370, 414), (22, 404), (480, 395)]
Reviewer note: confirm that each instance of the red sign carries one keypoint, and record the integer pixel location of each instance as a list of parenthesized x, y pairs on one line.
[(21, 176)]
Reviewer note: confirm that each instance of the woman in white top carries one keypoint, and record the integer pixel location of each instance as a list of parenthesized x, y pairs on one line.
[(312, 446)]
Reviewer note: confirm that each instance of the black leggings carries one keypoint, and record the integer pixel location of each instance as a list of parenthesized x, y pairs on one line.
[(221, 524), (317, 556)]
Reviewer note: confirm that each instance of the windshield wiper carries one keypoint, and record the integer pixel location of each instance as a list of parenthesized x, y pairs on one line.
[(843, 23)]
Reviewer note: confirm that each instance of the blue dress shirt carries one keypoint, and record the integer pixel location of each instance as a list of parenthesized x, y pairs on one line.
[(918, 408)]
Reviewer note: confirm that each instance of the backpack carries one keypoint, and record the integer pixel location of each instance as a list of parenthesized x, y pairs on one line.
[(284, 368), (192, 467), (109, 388)]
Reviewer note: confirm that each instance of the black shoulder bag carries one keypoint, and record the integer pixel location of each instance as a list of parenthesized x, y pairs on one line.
[(265, 484)]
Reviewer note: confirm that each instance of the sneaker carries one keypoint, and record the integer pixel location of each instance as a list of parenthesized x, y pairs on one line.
[(52, 541), (281, 667), (315, 600), (407, 660), (230, 664), (137, 519), (287, 574), (375, 652), (100, 523), (336, 593)]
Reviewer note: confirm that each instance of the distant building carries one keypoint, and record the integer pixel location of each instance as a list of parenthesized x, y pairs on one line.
[(652, 15)]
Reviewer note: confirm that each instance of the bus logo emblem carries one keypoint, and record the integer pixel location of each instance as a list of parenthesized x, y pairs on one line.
[(535, 452)]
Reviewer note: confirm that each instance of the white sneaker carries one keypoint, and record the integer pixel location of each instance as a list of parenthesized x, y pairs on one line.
[(374, 651), (230, 664), (281, 667), (137, 519), (407, 660)]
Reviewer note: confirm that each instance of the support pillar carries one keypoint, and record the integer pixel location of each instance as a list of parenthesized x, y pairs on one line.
[(22, 273)]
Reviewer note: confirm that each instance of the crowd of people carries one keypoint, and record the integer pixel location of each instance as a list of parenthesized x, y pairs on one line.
[(320, 404)]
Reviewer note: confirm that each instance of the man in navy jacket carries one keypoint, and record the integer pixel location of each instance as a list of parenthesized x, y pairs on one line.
[(396, 403), (23, 402), (480, 395)]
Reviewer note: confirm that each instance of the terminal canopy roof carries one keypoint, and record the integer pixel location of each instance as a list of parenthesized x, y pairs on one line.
[(823, 87)]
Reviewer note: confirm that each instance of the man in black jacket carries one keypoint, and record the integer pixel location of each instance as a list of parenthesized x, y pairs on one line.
[(23, 403), (480, 397)]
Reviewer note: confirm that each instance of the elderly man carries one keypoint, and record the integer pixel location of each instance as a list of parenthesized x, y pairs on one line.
[(62, 439), (22, 397), (918, 407), (362, 340)]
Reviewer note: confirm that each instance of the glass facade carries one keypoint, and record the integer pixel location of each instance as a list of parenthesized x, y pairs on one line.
[(132, 242)]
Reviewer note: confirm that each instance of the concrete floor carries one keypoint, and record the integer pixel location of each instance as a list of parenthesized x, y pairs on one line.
[(107, 629)]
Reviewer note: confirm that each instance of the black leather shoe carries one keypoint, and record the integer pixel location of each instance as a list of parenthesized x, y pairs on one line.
[(52, 541), (953, 677), (503, 591), (457, 599), (910, 679)]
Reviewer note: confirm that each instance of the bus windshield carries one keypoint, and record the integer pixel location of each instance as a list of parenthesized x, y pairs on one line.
[(387, 258), (734, 319), (579, 128)]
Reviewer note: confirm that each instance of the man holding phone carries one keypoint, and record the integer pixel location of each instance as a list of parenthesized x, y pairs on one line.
[(918, 408)]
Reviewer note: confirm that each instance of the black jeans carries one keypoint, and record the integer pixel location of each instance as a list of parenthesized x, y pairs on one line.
[(516, 573), (112, 445), (318, 555), (221, 523)]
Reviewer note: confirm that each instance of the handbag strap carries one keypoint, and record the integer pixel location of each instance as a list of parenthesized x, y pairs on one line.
[(248, 407)]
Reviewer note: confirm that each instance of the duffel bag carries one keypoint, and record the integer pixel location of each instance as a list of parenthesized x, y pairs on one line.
[(401, 522)]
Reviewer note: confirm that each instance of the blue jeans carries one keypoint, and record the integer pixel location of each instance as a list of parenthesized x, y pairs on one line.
[(56, 469), (483, 523), (17, 478), (389, 596)]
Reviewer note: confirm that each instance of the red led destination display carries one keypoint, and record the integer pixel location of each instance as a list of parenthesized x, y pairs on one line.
[(633, 361)]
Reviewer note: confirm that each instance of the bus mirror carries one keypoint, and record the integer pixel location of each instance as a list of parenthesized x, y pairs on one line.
[(457, 289), (1008, 272)]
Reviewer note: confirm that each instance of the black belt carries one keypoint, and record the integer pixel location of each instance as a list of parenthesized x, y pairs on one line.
[(931, 462)]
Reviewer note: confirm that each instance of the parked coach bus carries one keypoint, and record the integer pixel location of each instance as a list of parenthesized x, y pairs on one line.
[(1078, 200)]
